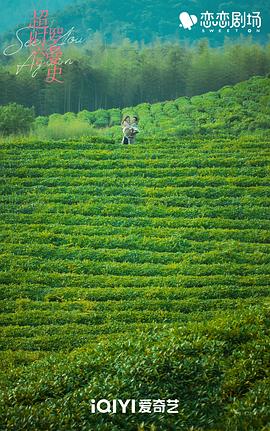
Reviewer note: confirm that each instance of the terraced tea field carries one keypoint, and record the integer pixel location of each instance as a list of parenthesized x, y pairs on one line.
[(112, 255)]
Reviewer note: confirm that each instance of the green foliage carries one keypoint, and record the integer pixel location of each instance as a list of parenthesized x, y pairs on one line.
[(140, 22), (136, 272), (69, 117), (126, 74), (218, 370), (101, 118), (230, 111), (15, 119), (115, 117), (41, 121), (86, 116), (63, 127)]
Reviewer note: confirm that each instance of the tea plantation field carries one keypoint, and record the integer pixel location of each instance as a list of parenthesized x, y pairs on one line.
[(135, 272), (234, 110)]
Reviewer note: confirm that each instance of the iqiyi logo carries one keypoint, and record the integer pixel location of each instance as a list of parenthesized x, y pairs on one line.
[(187, 21)]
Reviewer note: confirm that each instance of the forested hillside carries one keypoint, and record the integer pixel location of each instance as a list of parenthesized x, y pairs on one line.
[(145, 21), (139, 21), (104, 77)]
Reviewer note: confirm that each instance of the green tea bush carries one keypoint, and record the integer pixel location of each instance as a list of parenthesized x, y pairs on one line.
[(86, 116), (101, 118), (115, 117), (41, 121), (137, 271), (69, 117), (208, 367), (228, 112)]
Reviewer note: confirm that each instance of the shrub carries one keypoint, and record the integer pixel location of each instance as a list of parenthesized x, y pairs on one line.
[(69, 116), (41, 121), (102, 118), (184, 131), (58, 128), (115, 117), (87, 116), (16, 119)]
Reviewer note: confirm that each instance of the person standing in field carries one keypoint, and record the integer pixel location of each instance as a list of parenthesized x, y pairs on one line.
[(134, 129), (126, 128)]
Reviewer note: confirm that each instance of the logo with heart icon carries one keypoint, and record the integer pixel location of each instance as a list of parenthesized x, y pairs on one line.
[(187, 21)]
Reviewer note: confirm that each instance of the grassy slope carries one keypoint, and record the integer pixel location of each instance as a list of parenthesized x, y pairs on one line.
[(234, 110), (169, 241), (140, 271), (244, 107)]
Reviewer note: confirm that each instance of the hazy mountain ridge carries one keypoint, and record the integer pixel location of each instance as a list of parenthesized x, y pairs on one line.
[(16, 13), (150, 20), (137, 21)]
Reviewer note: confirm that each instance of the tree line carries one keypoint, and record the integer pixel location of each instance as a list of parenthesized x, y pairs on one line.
[(107, 76)]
